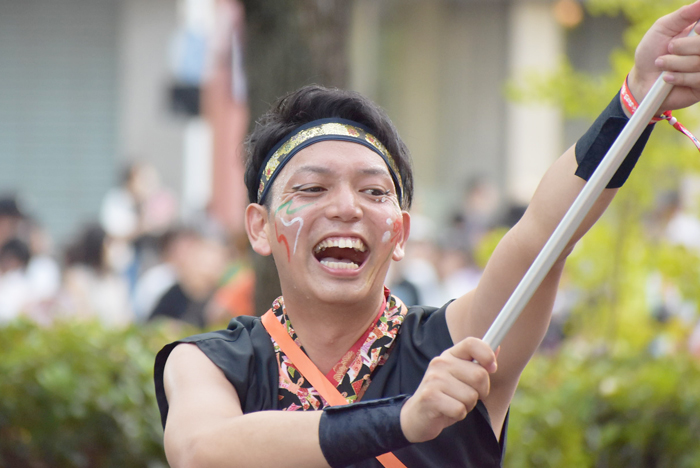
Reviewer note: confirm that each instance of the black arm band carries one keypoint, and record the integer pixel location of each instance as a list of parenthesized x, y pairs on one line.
[(595, 143), (352, 433)]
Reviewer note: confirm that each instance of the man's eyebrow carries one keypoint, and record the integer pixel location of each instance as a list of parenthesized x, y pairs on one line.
[(374, 171), (314, 170)]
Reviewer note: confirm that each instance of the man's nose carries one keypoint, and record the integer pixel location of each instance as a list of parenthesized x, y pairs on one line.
[(344, 204)]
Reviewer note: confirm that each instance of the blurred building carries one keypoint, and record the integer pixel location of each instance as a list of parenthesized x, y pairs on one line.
[(86, 85), (82, 88), (440, 69)]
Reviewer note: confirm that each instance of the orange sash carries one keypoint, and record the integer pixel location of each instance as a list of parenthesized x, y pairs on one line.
[(309, 370)]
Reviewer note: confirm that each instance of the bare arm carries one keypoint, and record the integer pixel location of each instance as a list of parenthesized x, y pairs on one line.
[(207, 428), (664, 48), (472, 314)]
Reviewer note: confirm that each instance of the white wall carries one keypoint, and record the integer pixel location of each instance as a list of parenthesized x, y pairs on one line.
[(534, 132), (148, 130)]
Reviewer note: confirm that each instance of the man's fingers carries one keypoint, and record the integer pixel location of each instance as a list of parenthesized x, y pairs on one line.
[(474, 349), (452, 397), (674, 63), (463, 395), (675, 23), (688, 80), (687, 45)]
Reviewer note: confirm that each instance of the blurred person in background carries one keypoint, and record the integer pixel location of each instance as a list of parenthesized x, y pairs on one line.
[(235, 295), (478, 214), (153, 283), (91, 289), (199, 264), (417, 273), (43, 273), (134, 214), (11, 219), (15, 289), (402, 287), (37, 282), (457, 271)]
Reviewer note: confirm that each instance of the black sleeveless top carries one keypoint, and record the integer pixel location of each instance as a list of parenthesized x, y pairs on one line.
[(245, 354)]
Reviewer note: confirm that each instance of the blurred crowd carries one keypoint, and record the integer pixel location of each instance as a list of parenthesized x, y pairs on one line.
[(440, 264), (136, 262)]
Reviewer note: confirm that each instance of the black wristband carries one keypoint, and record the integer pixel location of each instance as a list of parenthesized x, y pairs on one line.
[(595, 143), (351, 433)]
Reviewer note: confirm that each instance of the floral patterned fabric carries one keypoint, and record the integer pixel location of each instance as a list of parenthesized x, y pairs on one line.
[(352, 374)]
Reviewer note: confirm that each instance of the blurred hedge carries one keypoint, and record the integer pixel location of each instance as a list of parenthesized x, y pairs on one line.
[(587, 408), (77, 395)]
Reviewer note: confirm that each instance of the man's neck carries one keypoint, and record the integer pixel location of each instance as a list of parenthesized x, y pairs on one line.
[(328, 331)]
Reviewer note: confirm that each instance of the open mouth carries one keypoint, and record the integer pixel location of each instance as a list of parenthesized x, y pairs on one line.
[(341, 253)]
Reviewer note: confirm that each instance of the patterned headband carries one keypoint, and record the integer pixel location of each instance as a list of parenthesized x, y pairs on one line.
[(322, 130)]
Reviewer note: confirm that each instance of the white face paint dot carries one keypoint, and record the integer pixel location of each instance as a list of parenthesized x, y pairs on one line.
[(386, 236), (388, 221)]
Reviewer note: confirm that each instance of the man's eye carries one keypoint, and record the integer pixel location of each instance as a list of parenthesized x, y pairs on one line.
[(378, 192), (310, 189)]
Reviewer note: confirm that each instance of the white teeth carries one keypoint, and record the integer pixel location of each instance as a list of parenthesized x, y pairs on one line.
[(341, 242), (340, 265)]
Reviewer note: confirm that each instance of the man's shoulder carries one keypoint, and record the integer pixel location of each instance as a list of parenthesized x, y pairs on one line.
[(243, 352), (421, 319), (243, 335)]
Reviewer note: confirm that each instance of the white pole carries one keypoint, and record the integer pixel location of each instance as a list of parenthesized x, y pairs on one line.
[(578, 211)]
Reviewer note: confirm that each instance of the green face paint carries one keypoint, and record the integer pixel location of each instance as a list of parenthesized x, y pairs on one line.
[(298, 220), (290, 210)]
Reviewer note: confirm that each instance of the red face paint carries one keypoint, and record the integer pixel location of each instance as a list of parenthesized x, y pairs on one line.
[(396, 229), (283, 240)]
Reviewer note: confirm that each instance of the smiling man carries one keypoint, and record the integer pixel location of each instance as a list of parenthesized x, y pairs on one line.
[(330, 183)]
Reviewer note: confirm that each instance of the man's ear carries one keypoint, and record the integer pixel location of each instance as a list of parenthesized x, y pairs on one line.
[(400, 248), (256, 227)]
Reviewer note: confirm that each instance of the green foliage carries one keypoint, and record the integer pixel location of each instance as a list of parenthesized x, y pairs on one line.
[(77, 395), (603, 400), (613, 263), (589, 408)]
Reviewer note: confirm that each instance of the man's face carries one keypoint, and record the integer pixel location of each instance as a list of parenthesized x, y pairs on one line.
[(334, 223)]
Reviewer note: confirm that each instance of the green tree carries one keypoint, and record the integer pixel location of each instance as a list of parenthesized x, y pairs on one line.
[(607, 399), (614, 262)]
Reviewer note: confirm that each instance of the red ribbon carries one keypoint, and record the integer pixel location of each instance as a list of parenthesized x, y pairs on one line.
[(632, 105)]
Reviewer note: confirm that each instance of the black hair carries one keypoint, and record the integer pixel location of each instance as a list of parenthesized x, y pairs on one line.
[(9, 207), (16, 249), (88, 248), (174, 233), (316, 102)]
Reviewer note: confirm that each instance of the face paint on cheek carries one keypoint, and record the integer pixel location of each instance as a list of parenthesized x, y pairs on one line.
[(290, 210), (298, 220), (288, 224), (387, 234), (283, 240), (396, 229)]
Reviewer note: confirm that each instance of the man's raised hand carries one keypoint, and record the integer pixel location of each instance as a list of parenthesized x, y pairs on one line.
[(666, 47), (450, 388)]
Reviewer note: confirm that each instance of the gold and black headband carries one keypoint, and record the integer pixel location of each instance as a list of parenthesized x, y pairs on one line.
[(314, 132)]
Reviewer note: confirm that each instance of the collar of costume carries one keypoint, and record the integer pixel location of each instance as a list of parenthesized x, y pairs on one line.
[(314, 132), (352, 374)]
